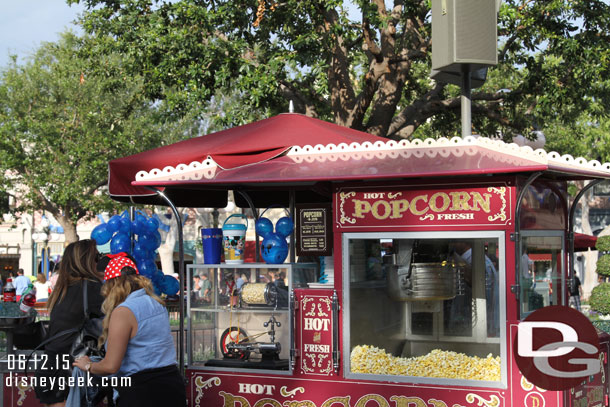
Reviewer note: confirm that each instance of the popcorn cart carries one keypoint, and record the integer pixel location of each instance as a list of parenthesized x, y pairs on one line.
[(431, 254)]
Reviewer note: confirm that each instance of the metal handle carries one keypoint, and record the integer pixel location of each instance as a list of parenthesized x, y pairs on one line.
[(336, 353), (293, 307)]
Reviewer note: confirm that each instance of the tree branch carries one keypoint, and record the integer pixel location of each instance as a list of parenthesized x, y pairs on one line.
[(302, 102), (405, 123), (369, 43), (342, 93)]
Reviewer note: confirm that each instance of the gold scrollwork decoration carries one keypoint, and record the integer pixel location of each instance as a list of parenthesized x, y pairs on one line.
[(427, 217), (321, 312), (22, 391), (344, 218), (501, 191), (291, 393), (328, 303), (306, 301), (494, 401), (392, 195), (311, 357), (201, 385)]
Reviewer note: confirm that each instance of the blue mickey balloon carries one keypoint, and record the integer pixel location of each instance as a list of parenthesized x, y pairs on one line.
[(120, 243), (124, 225), (158, 289), (140, 253), (151, 225), (157, 277), (170, 285), (114, 223), (263, 227), (284, 226), (139, 224), (157, 239), (100, 234), (275, 249), (147, 242), (147, 268)]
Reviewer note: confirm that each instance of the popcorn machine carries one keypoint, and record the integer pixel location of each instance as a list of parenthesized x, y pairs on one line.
[(432, 253)]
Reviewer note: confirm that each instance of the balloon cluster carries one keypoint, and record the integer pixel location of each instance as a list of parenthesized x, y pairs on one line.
[(274, 249), (119, 231)]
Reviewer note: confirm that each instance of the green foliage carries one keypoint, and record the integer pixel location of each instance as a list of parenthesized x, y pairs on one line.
[(63, 116), (603, 244), (600, 298), (603, 265), (359, 63)]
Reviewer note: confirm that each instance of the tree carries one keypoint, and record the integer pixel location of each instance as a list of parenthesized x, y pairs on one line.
[(363, 65), (62, 118)]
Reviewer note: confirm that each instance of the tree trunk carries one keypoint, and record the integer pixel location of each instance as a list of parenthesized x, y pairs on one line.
[(166, 250), (69, 228)]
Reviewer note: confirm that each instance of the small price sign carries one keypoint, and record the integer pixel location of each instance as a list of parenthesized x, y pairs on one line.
[(314, 234)]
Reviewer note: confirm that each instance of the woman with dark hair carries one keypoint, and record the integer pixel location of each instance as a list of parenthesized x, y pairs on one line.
[(65, 307), (137, 337)]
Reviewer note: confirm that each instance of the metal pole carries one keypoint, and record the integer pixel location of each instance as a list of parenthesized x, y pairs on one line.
[(466, 102), (46, 259), (132, 217), (292, 209), (181, 276)]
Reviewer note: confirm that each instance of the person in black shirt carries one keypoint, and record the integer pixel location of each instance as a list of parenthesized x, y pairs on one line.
[(575, 292), (65, 306)]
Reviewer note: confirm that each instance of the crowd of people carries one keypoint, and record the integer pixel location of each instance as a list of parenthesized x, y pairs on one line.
[(136, 334), (229, 285)]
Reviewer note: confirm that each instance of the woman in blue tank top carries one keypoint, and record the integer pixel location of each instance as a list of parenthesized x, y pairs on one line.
[(137, 337)]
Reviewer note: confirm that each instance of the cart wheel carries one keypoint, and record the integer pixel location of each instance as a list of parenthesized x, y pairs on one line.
[(233, 335)]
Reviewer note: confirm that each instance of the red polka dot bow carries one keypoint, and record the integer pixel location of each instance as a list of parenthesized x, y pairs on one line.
[(116, 265)]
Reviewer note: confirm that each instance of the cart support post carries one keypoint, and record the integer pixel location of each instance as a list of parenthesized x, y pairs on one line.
[(516, 237), (292, 210), (580, 194), (180, 275)]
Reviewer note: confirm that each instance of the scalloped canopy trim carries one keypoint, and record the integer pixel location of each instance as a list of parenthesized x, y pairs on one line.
[(441, 147)]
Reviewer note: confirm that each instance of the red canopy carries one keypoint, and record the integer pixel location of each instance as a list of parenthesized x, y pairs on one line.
[(583, 242), (232, 148)]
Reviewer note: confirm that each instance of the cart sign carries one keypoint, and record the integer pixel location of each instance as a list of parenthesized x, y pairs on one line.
[(400, 207), (316, 334), (314, 232)]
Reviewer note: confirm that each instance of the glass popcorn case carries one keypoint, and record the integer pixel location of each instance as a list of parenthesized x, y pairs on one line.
[(239, 315), (425, 306)]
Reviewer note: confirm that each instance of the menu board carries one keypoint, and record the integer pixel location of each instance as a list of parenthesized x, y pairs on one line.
[(314, 233)]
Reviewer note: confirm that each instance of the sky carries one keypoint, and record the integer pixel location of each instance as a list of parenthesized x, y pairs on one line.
[(24, 24)]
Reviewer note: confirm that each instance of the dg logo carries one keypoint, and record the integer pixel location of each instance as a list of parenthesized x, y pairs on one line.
[(556, 348)]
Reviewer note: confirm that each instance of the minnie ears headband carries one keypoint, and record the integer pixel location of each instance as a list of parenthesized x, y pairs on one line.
[(114, 265)]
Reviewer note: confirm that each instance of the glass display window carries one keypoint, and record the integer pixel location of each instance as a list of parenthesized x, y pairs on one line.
[(425, 305), (239, 315), (541, 270)]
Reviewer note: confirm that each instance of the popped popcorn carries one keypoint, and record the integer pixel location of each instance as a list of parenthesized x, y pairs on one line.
[(437, 363), (254, 293)]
